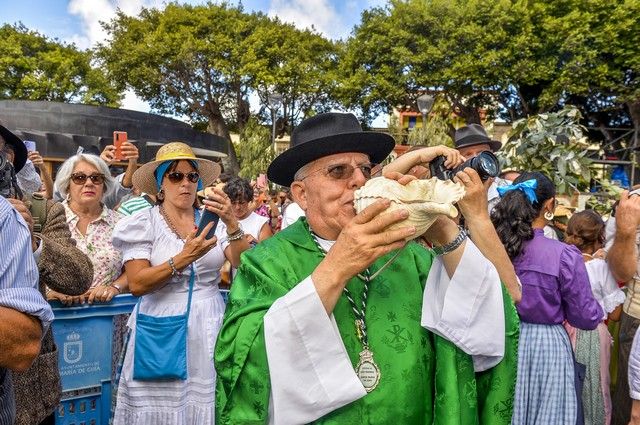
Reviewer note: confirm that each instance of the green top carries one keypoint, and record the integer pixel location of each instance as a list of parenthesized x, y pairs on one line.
[(425, 379)]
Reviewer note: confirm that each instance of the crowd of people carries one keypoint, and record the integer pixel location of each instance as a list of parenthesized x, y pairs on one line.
[(498, 316)]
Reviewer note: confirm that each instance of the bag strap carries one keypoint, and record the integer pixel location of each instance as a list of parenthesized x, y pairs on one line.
[(38, 210), (192, 278)]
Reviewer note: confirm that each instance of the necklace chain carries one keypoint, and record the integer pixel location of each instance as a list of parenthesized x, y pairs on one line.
[(366, 277), (173, 228), (361, 324)]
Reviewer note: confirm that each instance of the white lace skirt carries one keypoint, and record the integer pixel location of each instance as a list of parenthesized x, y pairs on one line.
[(189, 402)]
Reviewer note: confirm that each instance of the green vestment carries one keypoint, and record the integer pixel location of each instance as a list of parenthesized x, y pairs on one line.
[(425, 379)]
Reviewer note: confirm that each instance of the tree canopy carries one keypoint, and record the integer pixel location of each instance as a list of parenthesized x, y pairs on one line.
[(204, 61), (35, 67), (516, 58)]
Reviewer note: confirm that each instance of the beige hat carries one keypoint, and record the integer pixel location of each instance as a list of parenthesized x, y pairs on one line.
[(144, 178)]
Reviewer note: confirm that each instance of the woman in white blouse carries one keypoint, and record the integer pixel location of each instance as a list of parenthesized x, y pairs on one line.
[(160, 250)]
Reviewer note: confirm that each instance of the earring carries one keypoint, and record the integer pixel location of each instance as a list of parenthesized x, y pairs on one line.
[(548, 215), (160, 195)]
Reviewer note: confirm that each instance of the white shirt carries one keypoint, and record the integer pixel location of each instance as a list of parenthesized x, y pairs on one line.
[(634, 368), (252, 224), (305, 350), (604, 286), (291, 214)]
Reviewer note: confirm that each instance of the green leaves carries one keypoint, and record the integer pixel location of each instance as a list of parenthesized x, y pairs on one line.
[(255, 150), (34, 67), (203, 62), (512, 58), (552, 143)]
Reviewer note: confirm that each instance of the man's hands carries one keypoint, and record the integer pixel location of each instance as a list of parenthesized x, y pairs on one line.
[(367, 238), (364, 239), (623, 254), (628, 214)]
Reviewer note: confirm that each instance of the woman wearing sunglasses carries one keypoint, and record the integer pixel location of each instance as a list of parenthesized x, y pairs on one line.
[(84, 180), (176, 274)]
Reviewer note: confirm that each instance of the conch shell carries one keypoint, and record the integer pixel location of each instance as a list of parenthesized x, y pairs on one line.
[(424, 199)]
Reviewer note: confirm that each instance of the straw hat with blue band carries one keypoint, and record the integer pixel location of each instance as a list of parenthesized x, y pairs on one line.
[(147, 179)]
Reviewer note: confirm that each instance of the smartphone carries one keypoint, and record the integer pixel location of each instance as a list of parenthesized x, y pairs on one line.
[(118, 138), (30, 145), (208, 217)]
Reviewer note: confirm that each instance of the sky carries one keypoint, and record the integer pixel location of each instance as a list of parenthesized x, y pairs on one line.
[(78, 21)]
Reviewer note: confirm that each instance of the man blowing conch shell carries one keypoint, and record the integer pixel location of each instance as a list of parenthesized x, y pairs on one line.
[(325, 326)]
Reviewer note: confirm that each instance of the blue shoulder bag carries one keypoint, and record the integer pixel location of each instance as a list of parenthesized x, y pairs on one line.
[(160, 347)]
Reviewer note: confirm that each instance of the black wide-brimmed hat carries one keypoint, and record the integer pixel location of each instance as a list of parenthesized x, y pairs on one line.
[(474, 134), (18, 146), (323, 135)]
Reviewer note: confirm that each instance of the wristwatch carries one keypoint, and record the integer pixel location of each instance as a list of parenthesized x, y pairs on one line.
[(115, 285), (453, 245)]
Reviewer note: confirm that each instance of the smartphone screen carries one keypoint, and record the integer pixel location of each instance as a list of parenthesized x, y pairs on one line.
[(118, 138), (208, 217)]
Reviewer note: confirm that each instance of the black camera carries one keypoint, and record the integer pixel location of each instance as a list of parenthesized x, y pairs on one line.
[(486, 165), (8, 182)]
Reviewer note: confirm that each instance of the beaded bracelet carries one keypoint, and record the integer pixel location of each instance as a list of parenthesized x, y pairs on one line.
[(172, 264), (236, 236), (453, 245)]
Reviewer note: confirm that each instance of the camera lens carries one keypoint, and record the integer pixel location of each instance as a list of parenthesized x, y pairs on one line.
[(487, 165)]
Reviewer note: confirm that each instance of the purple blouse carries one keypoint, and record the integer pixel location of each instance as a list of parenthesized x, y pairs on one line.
[(555, 284)]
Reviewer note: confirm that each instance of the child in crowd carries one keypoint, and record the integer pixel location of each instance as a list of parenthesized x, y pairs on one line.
[(585, 230)]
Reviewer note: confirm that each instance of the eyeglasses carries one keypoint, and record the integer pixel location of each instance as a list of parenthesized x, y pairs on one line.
[(81, 178), (178, 176), (344, 171)]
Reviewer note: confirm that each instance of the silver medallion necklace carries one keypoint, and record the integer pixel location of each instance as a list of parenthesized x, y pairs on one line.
[(367, 370)]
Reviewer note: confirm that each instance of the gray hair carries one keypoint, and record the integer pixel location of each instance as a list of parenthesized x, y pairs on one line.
[(302, 171), (63, 177)]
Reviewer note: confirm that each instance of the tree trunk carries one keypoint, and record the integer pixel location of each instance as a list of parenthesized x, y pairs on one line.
[(218, 126)]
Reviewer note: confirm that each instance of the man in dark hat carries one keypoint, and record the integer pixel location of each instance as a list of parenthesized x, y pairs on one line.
[(338, 320), (470, 141)]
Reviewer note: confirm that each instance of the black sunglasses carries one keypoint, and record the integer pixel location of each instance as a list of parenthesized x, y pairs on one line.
[(178, 176), (81, 178)]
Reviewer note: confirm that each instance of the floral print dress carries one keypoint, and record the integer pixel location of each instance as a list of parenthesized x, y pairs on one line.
[(106, 260)]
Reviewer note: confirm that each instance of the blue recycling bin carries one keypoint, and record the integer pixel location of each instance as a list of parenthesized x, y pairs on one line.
[(83, 335)]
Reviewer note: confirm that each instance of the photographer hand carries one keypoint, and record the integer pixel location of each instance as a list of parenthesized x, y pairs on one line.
[(474, 205), (474, 208), (404, 163)]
